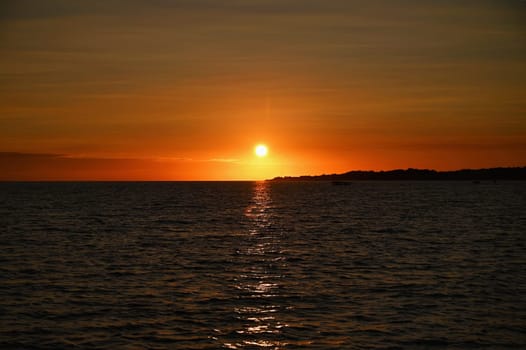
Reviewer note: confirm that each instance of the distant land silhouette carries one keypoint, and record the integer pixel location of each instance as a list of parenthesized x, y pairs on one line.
[(490, 174)]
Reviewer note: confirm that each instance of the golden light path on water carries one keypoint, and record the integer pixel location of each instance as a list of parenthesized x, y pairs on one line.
[(258, 281)]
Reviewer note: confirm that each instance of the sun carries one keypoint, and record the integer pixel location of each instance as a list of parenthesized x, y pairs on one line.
[(261, 150)]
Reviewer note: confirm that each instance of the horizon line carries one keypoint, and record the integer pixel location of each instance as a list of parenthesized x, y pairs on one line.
[(256, 180)]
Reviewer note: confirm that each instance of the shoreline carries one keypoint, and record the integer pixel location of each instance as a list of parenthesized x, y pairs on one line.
[(411, 174)]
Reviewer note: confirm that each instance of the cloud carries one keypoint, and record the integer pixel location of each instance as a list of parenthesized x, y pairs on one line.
[(223, 160), (50, 167), (18, 166)]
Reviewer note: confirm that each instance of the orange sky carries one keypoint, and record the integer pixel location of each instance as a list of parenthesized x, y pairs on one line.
[(184, 89)]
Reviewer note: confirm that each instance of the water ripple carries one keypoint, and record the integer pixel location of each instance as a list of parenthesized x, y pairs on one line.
[(262, 265)]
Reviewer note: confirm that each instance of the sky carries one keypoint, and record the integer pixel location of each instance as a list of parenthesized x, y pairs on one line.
[(184, 89)]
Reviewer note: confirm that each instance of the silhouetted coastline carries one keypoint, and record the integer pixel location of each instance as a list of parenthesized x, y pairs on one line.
[(489, 174)]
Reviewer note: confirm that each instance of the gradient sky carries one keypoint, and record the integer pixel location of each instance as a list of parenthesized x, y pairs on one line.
[(184, 89)]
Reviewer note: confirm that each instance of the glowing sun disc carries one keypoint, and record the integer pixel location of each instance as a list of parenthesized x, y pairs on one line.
[(261, 150)]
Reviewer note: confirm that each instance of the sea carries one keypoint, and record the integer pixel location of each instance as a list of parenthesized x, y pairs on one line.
[(263, 265)]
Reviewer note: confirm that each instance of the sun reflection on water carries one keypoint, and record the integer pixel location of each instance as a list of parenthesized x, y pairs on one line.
[(258, 283)]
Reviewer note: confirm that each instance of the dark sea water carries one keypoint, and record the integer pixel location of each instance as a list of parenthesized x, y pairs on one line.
[(242, 265)]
